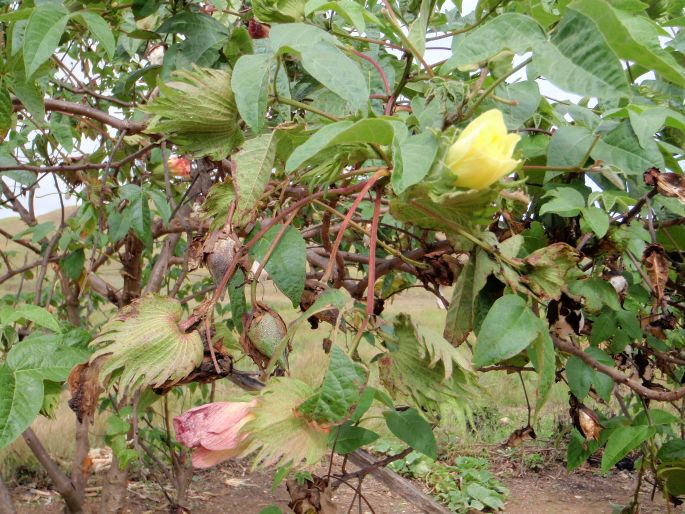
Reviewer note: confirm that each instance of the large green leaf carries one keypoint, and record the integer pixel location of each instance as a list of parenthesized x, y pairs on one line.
[(203, 37), (250, 83), (542, 356), (413, 429), (634, 38), (417, 154), (621, 148), (515, 32), (621, 441), (254, 163), (366, 131), (349, 437), (198, 112), (29, 363), (322, 60), (579, 376), (6, 115), (508, 329), (287, 264), (578, 59), (339, 392), (43, 33), (29, 312), (21, 397), (144, 343), (100, 30), (569, 146)]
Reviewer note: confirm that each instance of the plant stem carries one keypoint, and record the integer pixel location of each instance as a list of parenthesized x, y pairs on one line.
[(306, 107)]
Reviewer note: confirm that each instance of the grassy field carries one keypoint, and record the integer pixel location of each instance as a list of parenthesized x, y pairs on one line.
[(498, 409)]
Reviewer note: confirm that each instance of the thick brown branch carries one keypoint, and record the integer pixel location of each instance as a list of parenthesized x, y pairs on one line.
[(75, 109), (618, 376)]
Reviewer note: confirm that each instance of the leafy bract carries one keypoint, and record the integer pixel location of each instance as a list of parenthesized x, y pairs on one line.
[(339, 392), (197, 111), (278, 435), (254, 163), (427, 372), (144, 343)]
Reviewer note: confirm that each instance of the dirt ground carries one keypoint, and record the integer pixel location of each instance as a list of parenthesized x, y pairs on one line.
[(231, 488)]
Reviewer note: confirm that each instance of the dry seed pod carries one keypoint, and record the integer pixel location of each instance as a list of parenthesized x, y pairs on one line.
[(220, 249), (264, 330)]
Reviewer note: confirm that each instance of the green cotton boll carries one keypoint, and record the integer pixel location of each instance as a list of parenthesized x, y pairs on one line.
[(267, 329)]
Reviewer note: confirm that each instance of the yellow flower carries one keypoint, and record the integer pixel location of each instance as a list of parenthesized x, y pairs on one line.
[(481, 155)]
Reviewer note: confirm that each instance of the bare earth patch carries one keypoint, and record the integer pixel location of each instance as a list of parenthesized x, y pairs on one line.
[(232, 489)]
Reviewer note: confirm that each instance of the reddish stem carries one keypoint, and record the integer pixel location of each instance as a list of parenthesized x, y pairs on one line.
[(348, 217), (384, 78), (370, 294)]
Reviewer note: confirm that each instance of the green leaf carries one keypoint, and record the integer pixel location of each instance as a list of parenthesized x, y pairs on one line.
[(418, 153), (417, 29), (236, 295), (510, 31), (250, 83), (621, 441), (43, 33), (339, 392), (621, 148), (579, 376), (461, 314), (322, 60), (100, 30), (366, 131), (633, 38), (48, 357), (351, 437), (351, 11), (198, 112), (413, 429), (287, 264), (566, 201), (34, 313), (542, 356), (144, 341), (603, 384), (569, 146), (21, 397), (578, 59), (72, 265), (597, 219), (508, 329), (203, 38), (597, 293), (254, 163), (579, 450), (6, 113), (29, 94)]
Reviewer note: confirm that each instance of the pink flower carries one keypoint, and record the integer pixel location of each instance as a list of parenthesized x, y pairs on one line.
[(213, 430)]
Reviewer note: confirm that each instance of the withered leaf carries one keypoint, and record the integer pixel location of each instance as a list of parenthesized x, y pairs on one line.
[(85, 388), (655, 263)]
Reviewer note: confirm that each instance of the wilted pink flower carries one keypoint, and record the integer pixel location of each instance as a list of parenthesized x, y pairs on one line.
[(179, 166), (213, 430)]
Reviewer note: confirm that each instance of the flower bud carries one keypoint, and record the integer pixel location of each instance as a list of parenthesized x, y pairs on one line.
[(179, 166), (481, 155), (213, 431)]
